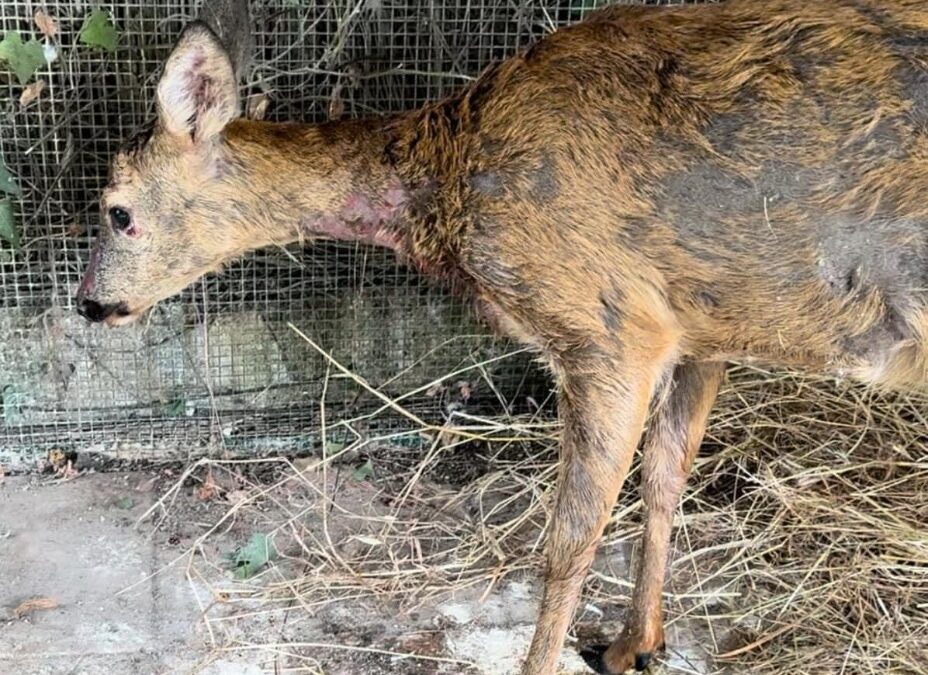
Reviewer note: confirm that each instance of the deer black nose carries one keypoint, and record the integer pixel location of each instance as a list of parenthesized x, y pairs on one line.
[(94, 311)]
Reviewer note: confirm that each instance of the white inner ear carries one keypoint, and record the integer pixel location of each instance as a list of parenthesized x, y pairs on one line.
[(197, 95), (176, 92)]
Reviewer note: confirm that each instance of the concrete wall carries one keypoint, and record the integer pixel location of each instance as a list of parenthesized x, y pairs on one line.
[(184, 382)]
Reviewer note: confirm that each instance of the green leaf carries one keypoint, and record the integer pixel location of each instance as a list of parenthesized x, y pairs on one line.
[(176, 408), (333, 447), (23, 58), (98, 31), (250, 558), (8, 231), (124, 503), (363, 472), (7, 182)]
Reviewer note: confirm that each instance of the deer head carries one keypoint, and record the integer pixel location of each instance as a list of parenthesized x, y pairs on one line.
[(169, 211)]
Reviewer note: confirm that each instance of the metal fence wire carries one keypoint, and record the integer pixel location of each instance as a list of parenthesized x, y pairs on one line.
[(218, 366)]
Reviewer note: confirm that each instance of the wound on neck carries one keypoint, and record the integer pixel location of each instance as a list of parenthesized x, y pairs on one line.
[(369, 218)]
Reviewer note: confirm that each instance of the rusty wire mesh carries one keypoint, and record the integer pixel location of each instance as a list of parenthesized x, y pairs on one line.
[(218, 367)]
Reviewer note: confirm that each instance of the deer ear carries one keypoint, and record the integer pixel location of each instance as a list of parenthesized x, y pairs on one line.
[(198, 92)]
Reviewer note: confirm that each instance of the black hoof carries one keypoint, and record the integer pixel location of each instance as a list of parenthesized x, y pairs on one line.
[(642, 659), (593, 656)]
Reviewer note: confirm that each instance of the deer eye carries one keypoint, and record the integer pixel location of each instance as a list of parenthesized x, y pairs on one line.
[(120, 219)]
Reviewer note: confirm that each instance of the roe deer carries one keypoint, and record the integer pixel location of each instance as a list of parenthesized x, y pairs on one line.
[(643, 197)]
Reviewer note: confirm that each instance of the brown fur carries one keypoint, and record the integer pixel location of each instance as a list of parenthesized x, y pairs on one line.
[(642, 197)]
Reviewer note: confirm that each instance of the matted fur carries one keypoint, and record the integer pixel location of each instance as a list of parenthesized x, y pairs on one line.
[(642, 197)]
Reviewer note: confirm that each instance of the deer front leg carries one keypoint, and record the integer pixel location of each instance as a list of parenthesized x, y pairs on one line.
[(603, 410), (671, 446)]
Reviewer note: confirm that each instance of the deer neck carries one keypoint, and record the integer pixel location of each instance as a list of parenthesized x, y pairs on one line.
[(338, 180)]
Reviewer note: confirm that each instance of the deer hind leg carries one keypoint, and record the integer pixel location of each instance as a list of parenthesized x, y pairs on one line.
[(669, 451), (603, 407)]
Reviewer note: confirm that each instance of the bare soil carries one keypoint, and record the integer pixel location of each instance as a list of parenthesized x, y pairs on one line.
[(110, 597)]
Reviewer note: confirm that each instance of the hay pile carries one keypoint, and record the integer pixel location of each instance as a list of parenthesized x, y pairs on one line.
[(800, 547)]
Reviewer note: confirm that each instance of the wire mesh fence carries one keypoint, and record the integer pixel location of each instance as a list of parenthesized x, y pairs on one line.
[(218, 366)]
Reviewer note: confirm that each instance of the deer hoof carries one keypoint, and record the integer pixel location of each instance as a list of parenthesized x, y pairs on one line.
[(593, 655)]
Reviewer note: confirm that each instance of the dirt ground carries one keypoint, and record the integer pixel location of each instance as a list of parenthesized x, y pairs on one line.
[(799, 547), (73, 545), (83, 590)]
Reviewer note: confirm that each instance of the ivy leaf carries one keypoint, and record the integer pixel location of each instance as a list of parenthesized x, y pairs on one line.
[(23, 58), (7, 182), (8, 231), (363, 472), (250, 558), (333, 447), (125, 503), (99, 31), (175, 408)]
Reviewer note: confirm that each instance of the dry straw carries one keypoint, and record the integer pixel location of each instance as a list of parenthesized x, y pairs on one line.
[(800, 547)]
